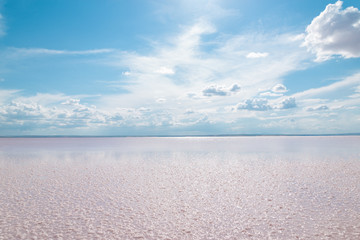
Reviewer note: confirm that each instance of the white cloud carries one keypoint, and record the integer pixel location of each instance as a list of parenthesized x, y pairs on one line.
[(72, 102), (186, 62), (45, 51), (7, 94), (334, 32), (257, 55), (270, 94), (215, 90), (261, 104), (353, 80), (256, 104), (318, 108), (279, 88), (165, 71), (288, 103)]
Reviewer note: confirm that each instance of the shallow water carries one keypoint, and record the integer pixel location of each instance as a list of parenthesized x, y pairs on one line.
[(180, 188)]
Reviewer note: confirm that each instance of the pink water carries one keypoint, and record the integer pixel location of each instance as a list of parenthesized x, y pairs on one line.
[(180, 188)]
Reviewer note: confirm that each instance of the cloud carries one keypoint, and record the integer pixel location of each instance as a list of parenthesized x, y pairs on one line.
[(257, 55), (270, 94), (6, 94), (198, 55), (334, 32), (72, 102), (45, 51), (261, 104), (256, 104), (288, 103), (318, 108), (71, 114), (165, 71), (279, 88), (348, 81), (235, 88), (214, 90)]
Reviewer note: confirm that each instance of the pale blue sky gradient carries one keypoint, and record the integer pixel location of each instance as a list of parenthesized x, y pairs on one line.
[(182, 67)]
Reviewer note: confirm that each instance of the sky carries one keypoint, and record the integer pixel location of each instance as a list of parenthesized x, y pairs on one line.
[(184, 67)]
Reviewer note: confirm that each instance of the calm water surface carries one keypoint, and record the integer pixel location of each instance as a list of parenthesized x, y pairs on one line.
[(180, 188)]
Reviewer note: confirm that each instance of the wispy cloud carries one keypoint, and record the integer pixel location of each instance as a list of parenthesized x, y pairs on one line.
[(257, 55), (44, 51), (2, 25), (353, 80), (181, 65)]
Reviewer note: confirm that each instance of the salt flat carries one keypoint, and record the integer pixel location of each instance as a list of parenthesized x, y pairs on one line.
[(180, 188)]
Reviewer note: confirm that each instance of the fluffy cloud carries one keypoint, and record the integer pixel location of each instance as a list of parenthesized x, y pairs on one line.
[(261, 104), (72, 102), (279, 88), (215, 90), (334, 32), (288, 103), (256, 104)]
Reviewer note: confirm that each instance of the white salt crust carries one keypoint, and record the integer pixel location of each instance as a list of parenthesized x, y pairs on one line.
[(178, 190)]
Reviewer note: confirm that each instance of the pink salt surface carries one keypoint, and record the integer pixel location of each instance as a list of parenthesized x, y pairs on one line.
[(180, 188)]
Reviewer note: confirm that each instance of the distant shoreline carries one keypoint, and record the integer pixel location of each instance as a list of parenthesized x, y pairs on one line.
[(176, 136)]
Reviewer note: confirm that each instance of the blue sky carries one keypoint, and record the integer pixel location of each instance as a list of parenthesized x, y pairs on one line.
[(161, 67)]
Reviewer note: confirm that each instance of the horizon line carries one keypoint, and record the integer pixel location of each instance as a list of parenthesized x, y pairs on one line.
[(178, 135)]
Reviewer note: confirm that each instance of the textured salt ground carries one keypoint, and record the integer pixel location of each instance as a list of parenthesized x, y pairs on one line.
[(104, 193)]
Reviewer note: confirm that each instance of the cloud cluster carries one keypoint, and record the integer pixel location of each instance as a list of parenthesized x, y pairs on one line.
[(57, 114), (261, 104), (334, 32), (256, 104)]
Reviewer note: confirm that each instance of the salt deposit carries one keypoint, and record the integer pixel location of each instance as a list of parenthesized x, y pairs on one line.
[(180, 188)]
